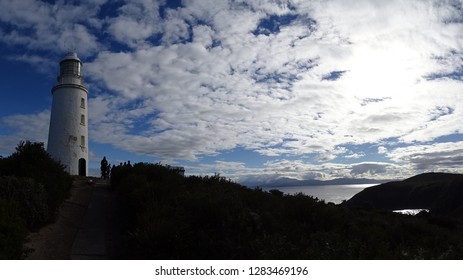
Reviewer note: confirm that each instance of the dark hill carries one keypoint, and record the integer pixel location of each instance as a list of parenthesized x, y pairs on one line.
[(441, 193)]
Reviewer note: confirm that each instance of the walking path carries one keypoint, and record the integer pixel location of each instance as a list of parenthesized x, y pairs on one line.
[(85, 228), (90, 242)]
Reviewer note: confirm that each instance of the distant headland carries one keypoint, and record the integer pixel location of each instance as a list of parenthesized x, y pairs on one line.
[(441, 193)]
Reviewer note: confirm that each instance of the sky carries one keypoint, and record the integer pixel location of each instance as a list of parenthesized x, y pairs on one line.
[(253, 90)]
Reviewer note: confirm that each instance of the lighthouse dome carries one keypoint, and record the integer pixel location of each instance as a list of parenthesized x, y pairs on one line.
[(71, 56)]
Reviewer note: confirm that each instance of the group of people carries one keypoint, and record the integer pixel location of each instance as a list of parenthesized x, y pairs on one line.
[(106, 168)]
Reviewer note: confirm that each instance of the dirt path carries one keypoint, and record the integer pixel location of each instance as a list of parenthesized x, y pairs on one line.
[(90, 241), (83, 228)]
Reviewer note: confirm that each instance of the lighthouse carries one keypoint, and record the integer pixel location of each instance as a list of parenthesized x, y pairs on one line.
[(68, 134)]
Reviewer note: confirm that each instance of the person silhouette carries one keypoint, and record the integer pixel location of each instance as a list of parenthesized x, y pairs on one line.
[(104, 167)]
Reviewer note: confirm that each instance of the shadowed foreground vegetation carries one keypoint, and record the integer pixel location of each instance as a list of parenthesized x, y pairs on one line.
[(168, 216), (164, 215), (32, 187)]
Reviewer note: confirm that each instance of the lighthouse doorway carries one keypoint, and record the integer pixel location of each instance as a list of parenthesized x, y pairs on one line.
[(82, 167)]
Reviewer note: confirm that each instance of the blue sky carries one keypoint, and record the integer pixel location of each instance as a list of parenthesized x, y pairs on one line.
[(253, 90)]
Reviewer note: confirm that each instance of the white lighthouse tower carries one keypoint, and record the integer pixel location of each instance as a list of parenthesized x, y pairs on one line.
[(68, 134)]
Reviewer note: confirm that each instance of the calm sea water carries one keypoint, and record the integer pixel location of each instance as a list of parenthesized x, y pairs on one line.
[(329, 193)]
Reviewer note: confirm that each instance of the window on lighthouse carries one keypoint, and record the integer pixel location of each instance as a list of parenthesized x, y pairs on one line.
[(82, 103), (82, 119)]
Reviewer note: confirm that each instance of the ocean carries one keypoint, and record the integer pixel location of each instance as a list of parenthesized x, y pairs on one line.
[(328, 193)]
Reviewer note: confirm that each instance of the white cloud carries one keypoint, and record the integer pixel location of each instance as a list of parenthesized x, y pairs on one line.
[(136, 22), (355, 155), (58, 27), (369, 169), (46, 66), (259, 91), (382, 150), (32, 127), (437, 157)]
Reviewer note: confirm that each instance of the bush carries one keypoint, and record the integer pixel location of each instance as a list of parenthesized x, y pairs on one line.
[(28, 198), (32, 187), (32, 161), (12, 231)]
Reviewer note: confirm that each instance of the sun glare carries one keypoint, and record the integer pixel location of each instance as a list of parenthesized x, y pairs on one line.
[(385, 73)]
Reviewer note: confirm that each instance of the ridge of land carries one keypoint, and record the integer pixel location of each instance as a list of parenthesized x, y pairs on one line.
[(440, 193)]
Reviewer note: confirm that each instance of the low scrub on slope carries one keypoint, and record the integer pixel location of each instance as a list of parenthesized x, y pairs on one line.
[(32, 187), (168, 216)]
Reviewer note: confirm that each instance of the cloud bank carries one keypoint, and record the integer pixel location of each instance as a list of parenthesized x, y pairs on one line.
[(300, 83)]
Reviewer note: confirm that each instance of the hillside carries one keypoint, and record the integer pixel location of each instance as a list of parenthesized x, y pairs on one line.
[(169, 216), (441, 193)]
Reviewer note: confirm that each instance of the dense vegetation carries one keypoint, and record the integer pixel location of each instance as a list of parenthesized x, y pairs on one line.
[(32, 186), (169, 216)]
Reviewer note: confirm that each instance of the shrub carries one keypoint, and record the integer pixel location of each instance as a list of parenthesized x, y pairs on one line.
[(31, 161), (27, 197), (32, 187), (12, 231)]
